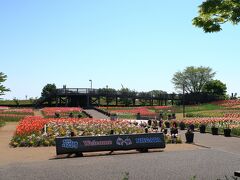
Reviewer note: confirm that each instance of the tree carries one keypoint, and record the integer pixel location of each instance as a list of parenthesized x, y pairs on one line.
[(214, 13), (127, 95), (215, 88), (109, 93), (192, 78), (3, 78), (144, 97), (49, 92), (157, 93)]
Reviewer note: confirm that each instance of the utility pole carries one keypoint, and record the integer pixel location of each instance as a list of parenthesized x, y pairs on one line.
[(90, 84), (107, 97), (183, 100)]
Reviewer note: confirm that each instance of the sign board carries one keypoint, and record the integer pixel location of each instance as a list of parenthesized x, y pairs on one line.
[(67, 145)]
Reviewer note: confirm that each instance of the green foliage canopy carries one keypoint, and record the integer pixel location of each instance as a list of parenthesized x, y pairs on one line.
[(216, 88), (109, 93), (192, 78), (3, 78), (49, 90), (213, 13)]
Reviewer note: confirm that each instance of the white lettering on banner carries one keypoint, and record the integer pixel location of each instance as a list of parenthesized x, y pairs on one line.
[(69, 144), (97, 143)]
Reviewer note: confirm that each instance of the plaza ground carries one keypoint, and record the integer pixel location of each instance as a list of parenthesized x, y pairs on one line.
[(213, 157)]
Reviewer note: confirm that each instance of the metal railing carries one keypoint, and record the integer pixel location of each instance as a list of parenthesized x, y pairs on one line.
[(76, 91)]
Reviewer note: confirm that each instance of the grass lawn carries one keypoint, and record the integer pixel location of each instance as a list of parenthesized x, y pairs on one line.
[(197, 108), (2, 123)]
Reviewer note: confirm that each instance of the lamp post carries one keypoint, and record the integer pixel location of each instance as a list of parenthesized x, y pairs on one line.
[(183, 98), (107, 96), (90, 84)]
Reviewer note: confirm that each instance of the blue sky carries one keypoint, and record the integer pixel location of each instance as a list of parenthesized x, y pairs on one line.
[(137, 43)]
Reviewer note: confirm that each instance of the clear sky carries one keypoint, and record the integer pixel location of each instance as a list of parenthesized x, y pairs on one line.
[(137, 43)]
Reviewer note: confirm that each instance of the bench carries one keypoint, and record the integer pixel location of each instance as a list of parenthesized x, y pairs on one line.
[(237, 173), (78, 145)]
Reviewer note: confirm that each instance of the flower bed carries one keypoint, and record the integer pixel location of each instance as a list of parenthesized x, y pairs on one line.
[(159, 107), (30, 131), (4, 107), (25, 111), (51, 112), (228, 103), (129, 112), (198, 121), (15, 114), (232, 115), (206, 114), (221, 123)]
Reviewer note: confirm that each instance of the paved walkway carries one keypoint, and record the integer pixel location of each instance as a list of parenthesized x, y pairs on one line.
[(227, 144), (16, 155), (181, 161), (96, 114), (205, 164), (38, 112)]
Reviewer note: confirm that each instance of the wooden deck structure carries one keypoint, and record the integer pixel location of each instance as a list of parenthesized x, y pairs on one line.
[(87, 97)]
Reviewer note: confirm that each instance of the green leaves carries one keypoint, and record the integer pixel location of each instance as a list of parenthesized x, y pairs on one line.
[(213, 13), (49, 90), (3, 78), (193, 78)]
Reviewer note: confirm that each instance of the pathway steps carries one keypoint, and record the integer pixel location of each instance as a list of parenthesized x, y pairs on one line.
[(95, 114)]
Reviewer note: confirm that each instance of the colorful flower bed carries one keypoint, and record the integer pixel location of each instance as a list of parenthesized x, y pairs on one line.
[(51, 112), (198, 121), (129, 112), (142, 110), (221, 123), (228, 103), (232, 115), (206, 114), (159, 107), (4, 107), (25, 111), (30, 131), (15, 114)]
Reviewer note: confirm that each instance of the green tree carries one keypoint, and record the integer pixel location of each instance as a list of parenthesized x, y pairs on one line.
[(214, 13), (215, 88), (192, 78), (157, 93), (127, 95), (3, 78), (49, 92), (144, 97), (109, 93)]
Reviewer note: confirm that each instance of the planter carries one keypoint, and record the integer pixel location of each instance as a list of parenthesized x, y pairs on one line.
[(174, 131), (202, 129), (189, 137), (113, 117), (227, 132), (138, 116), (214, 131), (191, 126), (182, 125), (167, 124)]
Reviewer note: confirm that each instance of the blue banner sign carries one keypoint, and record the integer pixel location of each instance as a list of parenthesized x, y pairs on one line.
[(67, 145)]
